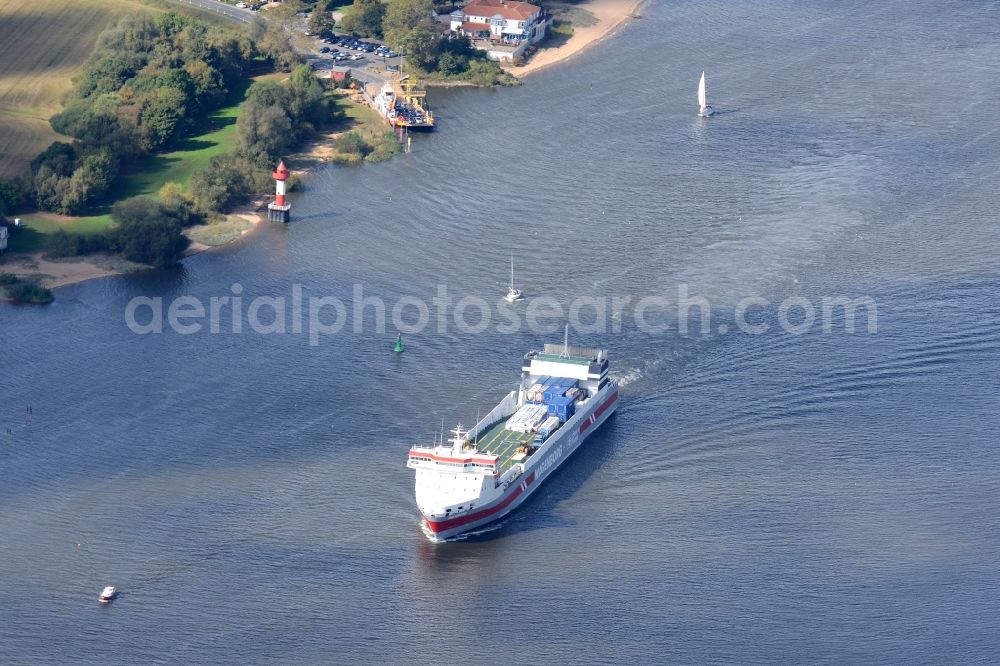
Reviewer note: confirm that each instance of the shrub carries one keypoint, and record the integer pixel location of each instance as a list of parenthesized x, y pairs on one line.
[(488, 73), (383, 147), (355, 146), (224, 181), (28, 292), (149, 232), (364, 18), (67, 180), (62, 244), (11, 196), (351, 143)]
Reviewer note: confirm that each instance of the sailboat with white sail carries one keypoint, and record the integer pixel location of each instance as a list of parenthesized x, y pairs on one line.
[(704, 110), (513, 294)]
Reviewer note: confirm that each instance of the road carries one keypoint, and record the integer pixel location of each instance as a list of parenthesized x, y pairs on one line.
[(241, 15)]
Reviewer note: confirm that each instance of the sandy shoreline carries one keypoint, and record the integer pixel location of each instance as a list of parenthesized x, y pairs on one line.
[(54, 273), (610, 15)]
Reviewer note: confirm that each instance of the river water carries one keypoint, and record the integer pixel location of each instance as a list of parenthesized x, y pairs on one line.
[(820, 496)]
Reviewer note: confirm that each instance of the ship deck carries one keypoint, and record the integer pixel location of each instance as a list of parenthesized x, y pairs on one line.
[(499, 441)]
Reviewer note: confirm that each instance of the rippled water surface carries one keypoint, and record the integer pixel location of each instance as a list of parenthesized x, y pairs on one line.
[(809, 497)]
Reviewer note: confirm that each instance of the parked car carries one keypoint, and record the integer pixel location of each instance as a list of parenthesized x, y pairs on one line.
[(325, 49)]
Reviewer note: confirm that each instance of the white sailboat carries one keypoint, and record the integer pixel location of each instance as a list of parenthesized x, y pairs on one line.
[(512, 293), (704, 110)]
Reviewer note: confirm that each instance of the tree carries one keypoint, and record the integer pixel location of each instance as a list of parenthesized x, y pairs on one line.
[(364, 18), (275, 116), (411, 30), (109, 73), (160, 118), (320, 23), (273, 44), (148, 232), (290, 8), (58, 157), (307, 99), (81, 120), (11, 197), (208, 83), (225, 180), (262, 133), (449, 63), (50, 188), (52, 170), (172, 194), (91, 180), (63, 244)]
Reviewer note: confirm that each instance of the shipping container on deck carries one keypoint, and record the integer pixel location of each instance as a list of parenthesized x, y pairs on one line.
[(553, 392), (548, 426), (562, 407)]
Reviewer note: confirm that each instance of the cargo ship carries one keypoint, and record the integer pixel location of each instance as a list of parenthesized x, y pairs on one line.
[(404, 106), (479, 476)]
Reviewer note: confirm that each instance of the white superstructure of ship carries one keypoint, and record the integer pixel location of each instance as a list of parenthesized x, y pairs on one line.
[(481, 475)]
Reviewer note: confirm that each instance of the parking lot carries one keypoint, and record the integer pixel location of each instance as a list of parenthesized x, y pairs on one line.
[(370, 55), (369, 59)]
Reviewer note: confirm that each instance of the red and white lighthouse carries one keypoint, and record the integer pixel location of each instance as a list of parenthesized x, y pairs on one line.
[(278, 210)]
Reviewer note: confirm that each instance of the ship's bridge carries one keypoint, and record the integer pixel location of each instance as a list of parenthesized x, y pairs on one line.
[(461, 457), (442, 459)]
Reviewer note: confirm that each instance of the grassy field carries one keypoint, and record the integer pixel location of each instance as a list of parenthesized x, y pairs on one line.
[(43, 44)]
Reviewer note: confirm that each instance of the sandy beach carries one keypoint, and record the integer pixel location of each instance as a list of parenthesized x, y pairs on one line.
[(53, 273), (609, 15)]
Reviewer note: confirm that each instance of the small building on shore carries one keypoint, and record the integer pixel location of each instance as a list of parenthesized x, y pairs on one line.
[(502, 28), (340, 74)]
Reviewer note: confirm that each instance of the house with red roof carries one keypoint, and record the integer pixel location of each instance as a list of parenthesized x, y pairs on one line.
[(502, 28)]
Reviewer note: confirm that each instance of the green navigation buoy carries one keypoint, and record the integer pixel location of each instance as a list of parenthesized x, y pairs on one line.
[(399, 343)]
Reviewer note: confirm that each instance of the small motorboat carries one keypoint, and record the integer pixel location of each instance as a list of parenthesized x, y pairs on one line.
[(108, 593), (512, 293)]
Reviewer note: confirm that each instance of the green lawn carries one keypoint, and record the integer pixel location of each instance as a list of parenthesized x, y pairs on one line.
[(193, 153), (33, 236)]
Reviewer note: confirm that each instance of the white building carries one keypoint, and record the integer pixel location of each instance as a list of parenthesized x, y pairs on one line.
[(502, 28)]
